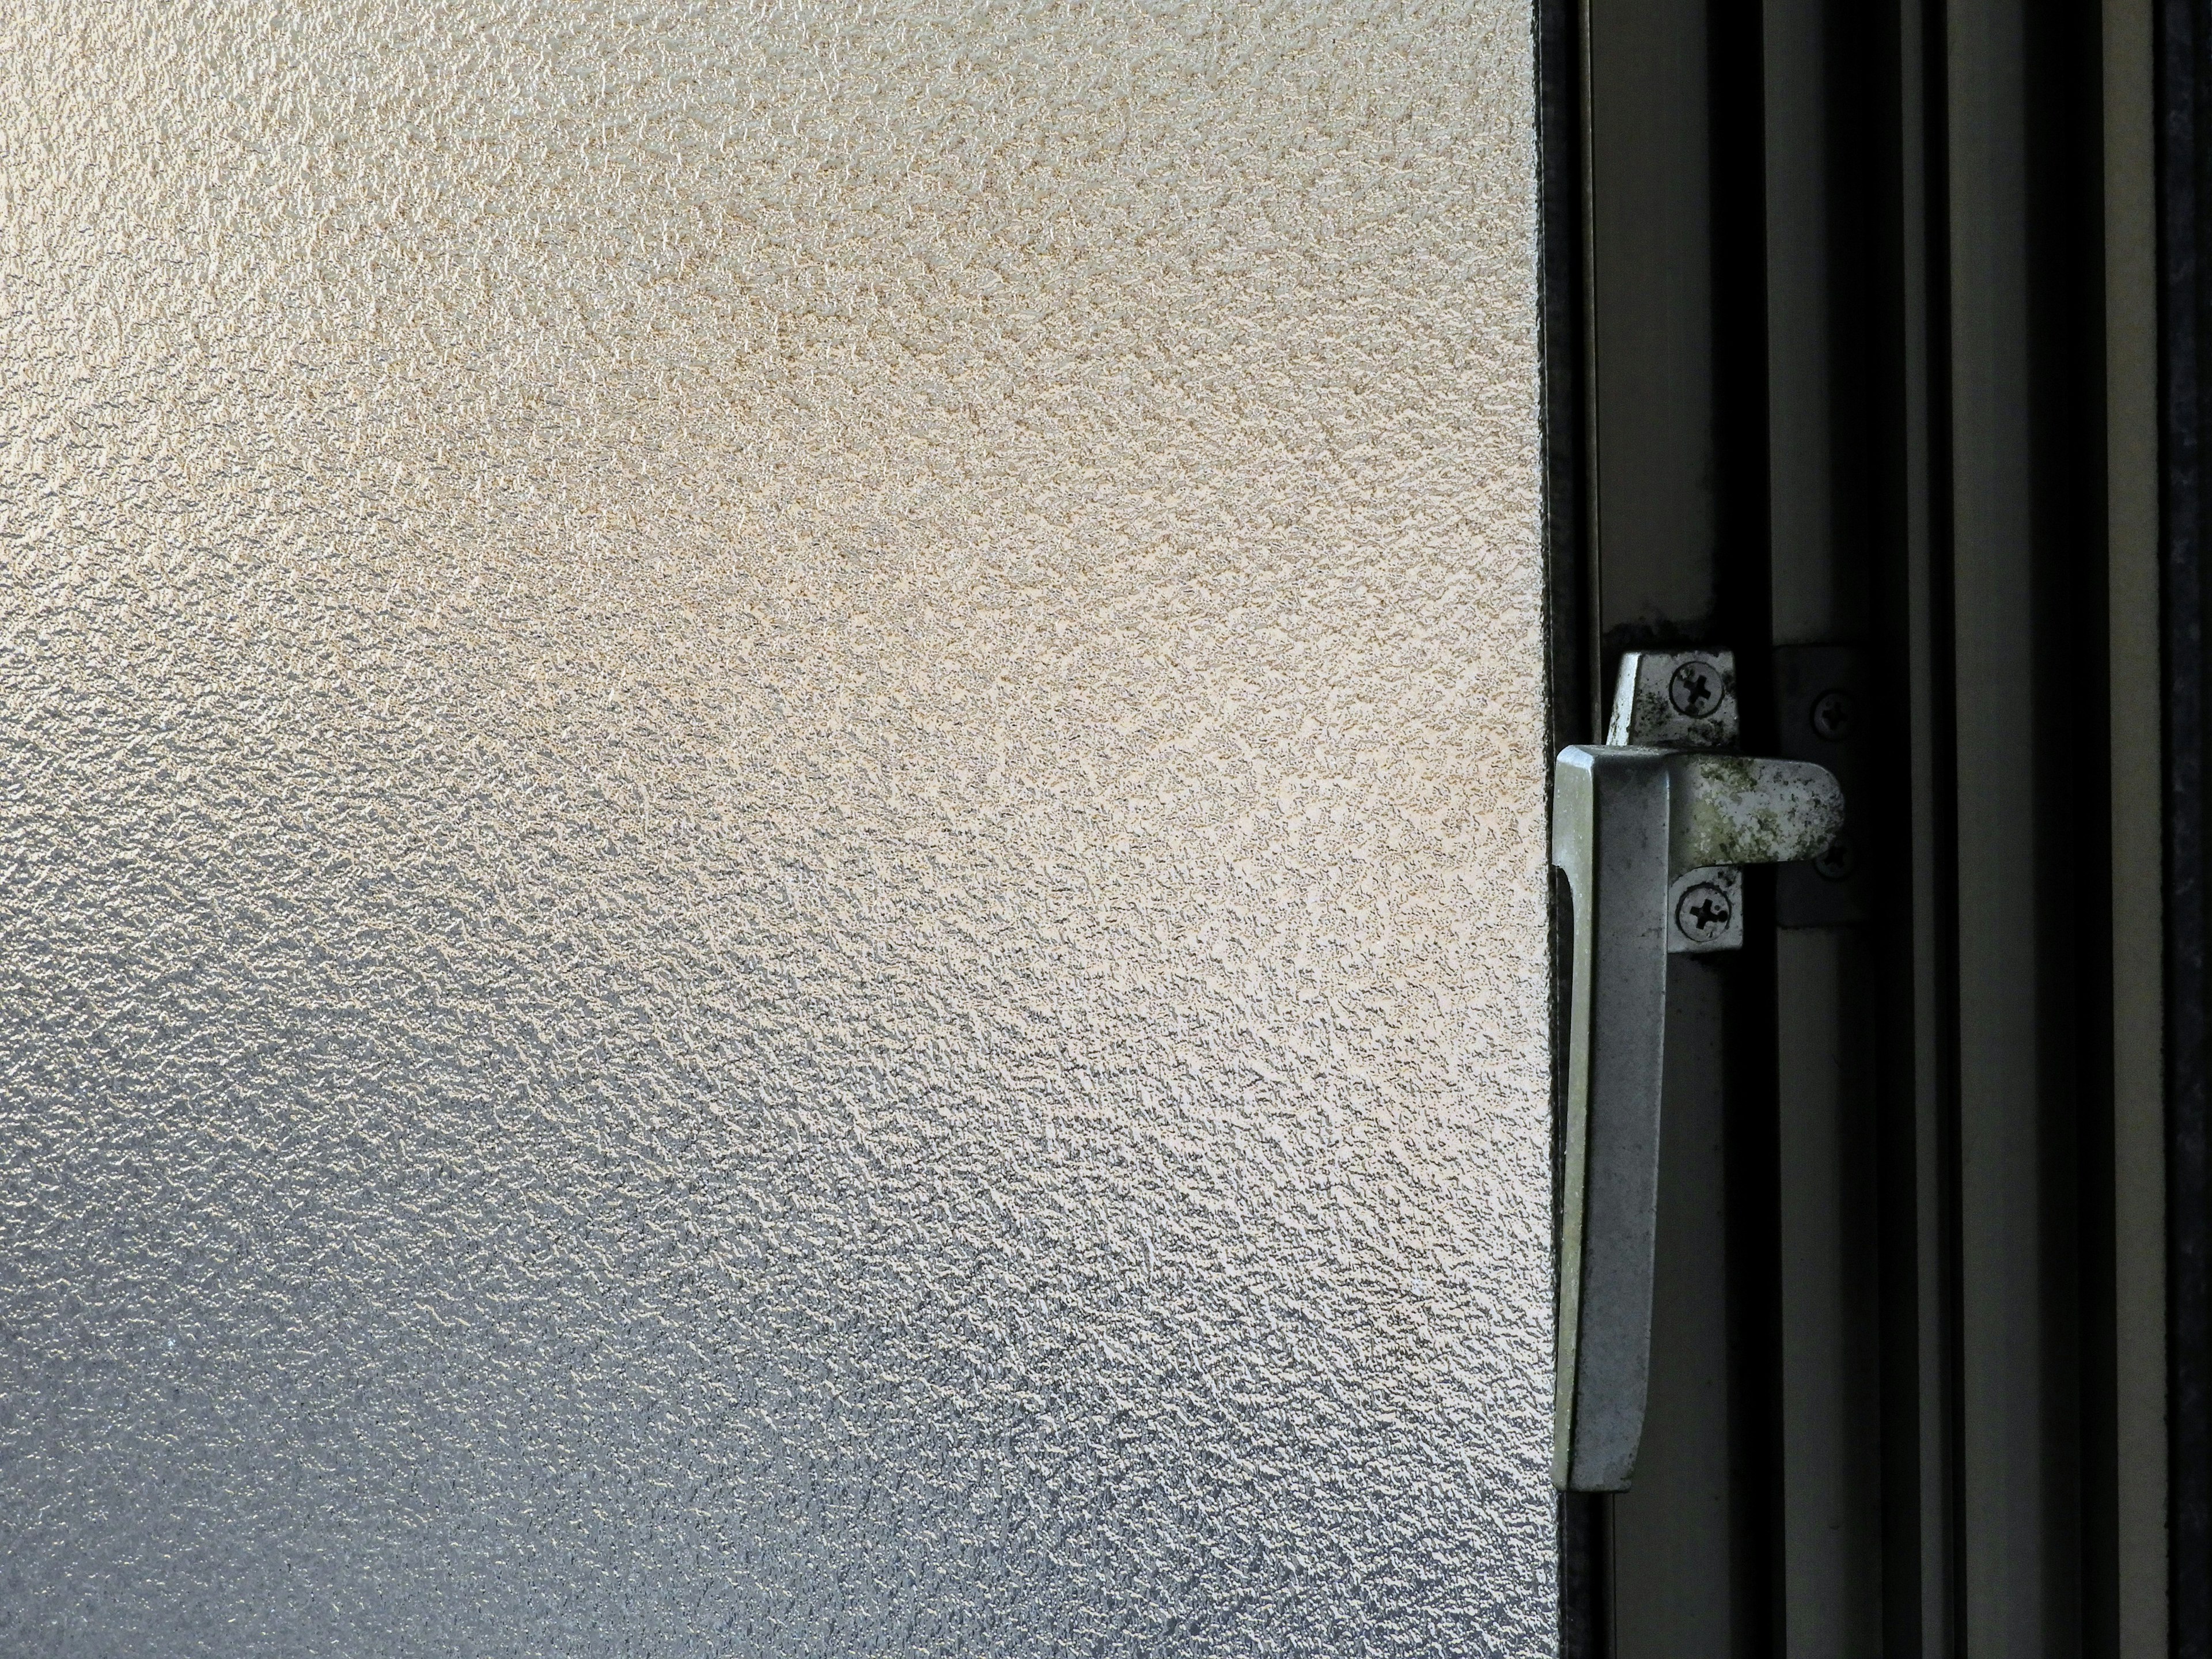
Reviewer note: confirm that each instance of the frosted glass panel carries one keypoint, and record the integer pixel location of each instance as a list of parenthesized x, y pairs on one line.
[(774, 831)]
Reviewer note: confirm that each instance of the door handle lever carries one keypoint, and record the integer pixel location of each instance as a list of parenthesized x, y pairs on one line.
[(1651, 839)]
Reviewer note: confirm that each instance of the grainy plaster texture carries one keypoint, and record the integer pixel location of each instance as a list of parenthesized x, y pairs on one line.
[(772, 859)]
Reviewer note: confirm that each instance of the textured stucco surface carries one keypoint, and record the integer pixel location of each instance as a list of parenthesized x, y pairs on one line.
[(770, 831)]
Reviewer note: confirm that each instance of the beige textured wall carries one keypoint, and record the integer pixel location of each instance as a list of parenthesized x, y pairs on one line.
[(771, 831)]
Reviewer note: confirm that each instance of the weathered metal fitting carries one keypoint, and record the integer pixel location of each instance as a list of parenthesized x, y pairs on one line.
[(1705, 911), (1649, 841), (1739, 809), (1674, 700)]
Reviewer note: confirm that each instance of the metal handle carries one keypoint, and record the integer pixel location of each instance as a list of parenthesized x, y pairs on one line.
[(1649, 841)]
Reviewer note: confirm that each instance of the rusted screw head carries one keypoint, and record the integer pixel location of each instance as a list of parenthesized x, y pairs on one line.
[(1832, 716), (1703, 913), (1695, 690), (1839, 860)]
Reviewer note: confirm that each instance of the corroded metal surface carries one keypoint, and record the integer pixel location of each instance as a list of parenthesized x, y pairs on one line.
[(1674, 700), (1739, 809), (774, 850)]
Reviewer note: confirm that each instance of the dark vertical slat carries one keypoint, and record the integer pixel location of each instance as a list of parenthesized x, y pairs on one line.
[(2028, 661), (2183, 300), (2072, 716), (1677, 1534), (1653, 491), (1930, 778), (1908, 941), (2136, 930), (1816, 113)]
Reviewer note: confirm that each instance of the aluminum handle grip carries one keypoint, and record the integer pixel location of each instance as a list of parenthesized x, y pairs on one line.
[(1626, 821)]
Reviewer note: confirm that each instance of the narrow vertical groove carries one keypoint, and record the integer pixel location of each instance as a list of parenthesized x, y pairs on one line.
[(1914, 1571), (2069, 716), (1573, 677), (1591, 636), (2136, 1361), (1941, 1407), (1744, 572)]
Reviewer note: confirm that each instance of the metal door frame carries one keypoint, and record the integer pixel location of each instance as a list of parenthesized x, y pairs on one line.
[(1892, 268)]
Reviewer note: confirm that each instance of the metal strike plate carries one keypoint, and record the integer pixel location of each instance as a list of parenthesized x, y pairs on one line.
[(1652, 841), (1824, 712), (1674, 700)]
